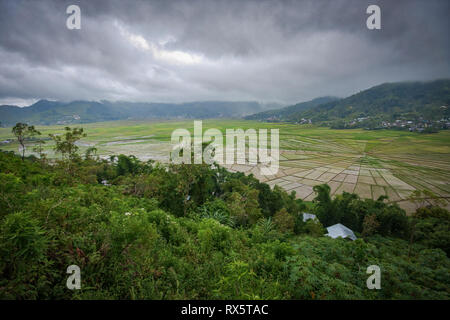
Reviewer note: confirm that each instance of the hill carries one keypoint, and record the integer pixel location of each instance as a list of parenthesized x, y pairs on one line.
[(291, 112), (389, 101), (46, 112)]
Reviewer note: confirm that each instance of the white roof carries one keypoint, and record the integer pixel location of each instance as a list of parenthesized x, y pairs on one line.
[(307, 216), (339, 230)]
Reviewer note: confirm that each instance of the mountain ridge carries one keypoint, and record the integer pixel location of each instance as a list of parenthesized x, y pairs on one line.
[(387, 101), (46, 112), (285, 113)]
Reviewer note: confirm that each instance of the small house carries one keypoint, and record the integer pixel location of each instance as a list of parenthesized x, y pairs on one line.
[(339, 230)]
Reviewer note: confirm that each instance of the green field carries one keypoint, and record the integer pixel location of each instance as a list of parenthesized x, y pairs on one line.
[(369, 163)]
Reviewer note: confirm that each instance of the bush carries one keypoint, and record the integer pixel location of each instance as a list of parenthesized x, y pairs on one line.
[(158, 232), (284, 221)]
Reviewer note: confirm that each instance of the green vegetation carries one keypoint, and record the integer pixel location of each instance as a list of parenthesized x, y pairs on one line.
[(290, 113), (390, 101), (22, 131), (416, 101), (143, 230), (369, 163)]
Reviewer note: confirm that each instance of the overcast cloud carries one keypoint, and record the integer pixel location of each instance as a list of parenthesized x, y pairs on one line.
[(174, 51)]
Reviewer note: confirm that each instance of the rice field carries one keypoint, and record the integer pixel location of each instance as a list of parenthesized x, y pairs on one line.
[(369, 163)]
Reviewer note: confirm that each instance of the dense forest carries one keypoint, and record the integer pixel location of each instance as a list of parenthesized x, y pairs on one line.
[(290, 113), (144, 230), (388, 102)]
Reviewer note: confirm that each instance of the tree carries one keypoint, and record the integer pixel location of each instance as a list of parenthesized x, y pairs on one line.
[(314, 228), (244, 206), (432, 226), (370, 225), (39, 149), (90, 153), (419, 198), (325, 211), (284, 221), (67, 146), (23, 131)]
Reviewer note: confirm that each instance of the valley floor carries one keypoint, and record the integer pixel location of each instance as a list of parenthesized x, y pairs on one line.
[(369, 163)]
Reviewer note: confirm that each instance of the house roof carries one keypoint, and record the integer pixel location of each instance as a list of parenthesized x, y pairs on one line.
[(339, 230), (307, 216)]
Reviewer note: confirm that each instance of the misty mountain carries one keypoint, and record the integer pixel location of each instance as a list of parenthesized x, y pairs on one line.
[(289, 113), (389, 101), (429, 100), (46, 112)]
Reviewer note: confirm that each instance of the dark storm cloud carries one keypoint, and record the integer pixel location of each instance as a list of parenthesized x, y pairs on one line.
[(285, 51)]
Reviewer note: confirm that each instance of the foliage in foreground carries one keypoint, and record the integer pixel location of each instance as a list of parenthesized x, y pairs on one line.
[(195, 232)]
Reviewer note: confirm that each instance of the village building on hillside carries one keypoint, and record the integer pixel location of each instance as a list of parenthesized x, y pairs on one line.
[(339, 230)]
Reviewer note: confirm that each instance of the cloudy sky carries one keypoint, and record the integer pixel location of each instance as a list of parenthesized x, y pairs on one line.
[(174, 51)]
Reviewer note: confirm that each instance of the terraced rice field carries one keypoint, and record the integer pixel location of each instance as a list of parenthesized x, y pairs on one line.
[(369, 163), (350, 166), (345, 172)]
